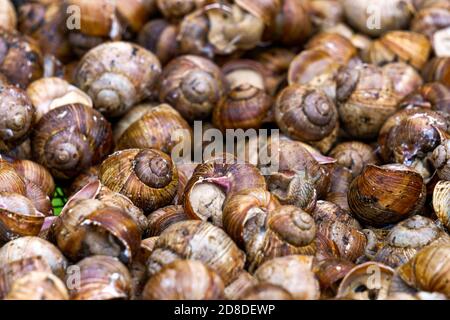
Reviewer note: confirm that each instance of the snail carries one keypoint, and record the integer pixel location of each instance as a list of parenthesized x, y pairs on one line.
[(201, 241), (236, 289), (21, 59), (100, 278), (330, 273), (148, 126), (32, 247), (17, 117), (50, 93), (367, 281), (428, 269), (293, 273), (184, 280), (256, 222), (38, 286), (193, 85), (406, 238), (354, 155), (147, 176), (8, 16), (125, 76), (70, 139), (380, 196), (161, 219), (433, 95), (341, 178), (89, 227), (437, 69)]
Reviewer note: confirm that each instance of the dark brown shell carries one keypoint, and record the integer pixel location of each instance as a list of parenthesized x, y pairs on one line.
[(384, 195), (161, 219), (147, 176), (71, 138)]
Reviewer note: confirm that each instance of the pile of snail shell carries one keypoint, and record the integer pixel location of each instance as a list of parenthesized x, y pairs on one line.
[(357, 209)]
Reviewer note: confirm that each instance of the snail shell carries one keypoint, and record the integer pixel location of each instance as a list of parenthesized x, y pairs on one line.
[(38, 285), (184, 280), (117, 75), (31, 247), (8, 16), (50, 93), (256, 222), (367, 281), (330, 273), (340, 182), (175, 9), (193, 85), (100, 278), (407, 237), (161, 219), (354, 155), (441, 202), (236, 288), (35, 173), (160, 127), (148, 177), (71, 138), (429, 269), (441, 160), (387, 194), (293, 273), (21, 59), (16, 116), (88, 227), (266, 291), (201, 241), (437, 69), (305, 113)]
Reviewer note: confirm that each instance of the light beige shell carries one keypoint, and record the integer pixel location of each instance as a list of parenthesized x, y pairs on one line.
[(441, 202)]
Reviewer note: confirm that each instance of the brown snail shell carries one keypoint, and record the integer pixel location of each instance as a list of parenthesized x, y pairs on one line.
[(17, 117), (50, 93), (193, 85), (293, 273), (405, 79), (160, 127), (437, 69), (184, 280), (330, 273), (45, 22), (256, 222), (429, 269), (147, 176), (174, 9), (236, 288), (88, 227), (160, 37), (387, 194), (31, 247), (410, 135), (305, 114), (340, 182), (35, 173), (100, 278), (413, 48), (12, 271), (338, 46), (432, 95), (367, 281), (407, 237), (366, 98), (441, 202), (125, 76), (354, 155), (71, 138), (18, 217), (38, 285), (84, 178), (161, 219), (21, 59), (201, 241)]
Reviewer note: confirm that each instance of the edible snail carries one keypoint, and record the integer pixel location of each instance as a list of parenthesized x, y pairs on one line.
[(117, 75), (384, 195), (184, 280), (71, 138), (441, 202), (100, 278), (266, 291), (354, 155), (8, 16), (148, 177), (201, 241), (293, 273), (193, 85), (163, 218), (38, 285)]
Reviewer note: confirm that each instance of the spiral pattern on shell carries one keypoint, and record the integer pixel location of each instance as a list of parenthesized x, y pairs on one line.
[(70, 139)]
